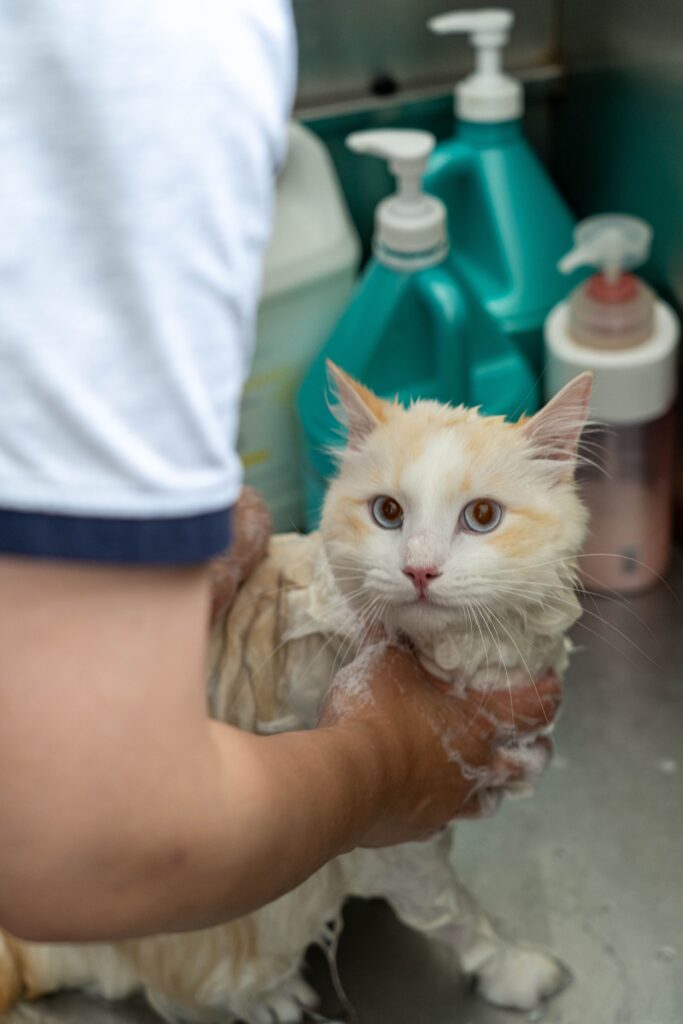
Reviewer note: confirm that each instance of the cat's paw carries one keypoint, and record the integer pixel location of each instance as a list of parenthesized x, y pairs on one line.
[(285, 1004), (519, 977)]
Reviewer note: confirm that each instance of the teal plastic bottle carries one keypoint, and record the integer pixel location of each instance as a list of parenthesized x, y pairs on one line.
[(414, 328), (507, 222)]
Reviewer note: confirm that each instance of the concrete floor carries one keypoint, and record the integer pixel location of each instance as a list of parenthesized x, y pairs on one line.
[(592, 865)]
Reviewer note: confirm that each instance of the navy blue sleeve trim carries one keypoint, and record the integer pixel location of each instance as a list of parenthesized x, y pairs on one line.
[(173, 541)]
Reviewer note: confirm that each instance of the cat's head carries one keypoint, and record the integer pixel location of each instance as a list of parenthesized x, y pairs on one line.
[(437, 510)]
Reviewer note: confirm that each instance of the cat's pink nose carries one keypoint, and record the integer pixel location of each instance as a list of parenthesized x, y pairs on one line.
[(421, 576)]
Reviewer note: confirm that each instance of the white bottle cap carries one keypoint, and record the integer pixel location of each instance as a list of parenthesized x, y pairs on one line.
[(488, 94), (633, 385), (612, 242), (410, 226)]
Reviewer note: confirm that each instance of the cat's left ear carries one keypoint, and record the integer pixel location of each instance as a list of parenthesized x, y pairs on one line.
[(555, 431), (360, 409)]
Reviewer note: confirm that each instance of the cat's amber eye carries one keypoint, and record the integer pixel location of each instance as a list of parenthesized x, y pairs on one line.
[(387, 512), (482, 515)]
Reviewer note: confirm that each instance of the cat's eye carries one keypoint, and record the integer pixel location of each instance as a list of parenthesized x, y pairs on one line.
[(482, 515), (387, 512)]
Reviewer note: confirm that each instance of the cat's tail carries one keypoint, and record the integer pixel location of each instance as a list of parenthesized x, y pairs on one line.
[(11, 984)]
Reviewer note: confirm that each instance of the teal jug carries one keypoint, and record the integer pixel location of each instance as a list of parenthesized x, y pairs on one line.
[(507, 223), (414, 327)]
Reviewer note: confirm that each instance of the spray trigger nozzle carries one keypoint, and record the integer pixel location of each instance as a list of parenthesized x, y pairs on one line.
[(612, 242)]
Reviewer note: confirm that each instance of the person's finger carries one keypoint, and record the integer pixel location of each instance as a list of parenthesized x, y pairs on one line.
[(251, 529), (524, 710), (523, 763)]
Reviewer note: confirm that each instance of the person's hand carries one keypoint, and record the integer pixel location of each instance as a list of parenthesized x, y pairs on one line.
[(446, 755), (252, 526)]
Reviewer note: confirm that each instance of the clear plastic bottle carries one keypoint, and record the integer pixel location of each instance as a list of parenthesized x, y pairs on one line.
[(614, 325)]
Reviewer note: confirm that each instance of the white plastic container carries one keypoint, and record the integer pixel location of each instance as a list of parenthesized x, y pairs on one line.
[(614, 325), (309, 273)]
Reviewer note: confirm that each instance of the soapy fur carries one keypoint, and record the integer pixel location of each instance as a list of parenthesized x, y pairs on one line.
[(498, 615)]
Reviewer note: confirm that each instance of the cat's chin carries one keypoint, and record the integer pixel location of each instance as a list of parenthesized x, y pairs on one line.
[(422, 617)]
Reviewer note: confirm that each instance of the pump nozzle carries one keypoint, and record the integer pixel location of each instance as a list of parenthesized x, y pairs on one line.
[(488, 94), (611, 242), (409, 225)]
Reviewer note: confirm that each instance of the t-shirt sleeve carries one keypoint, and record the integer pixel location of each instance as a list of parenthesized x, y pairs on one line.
[(137, 190)]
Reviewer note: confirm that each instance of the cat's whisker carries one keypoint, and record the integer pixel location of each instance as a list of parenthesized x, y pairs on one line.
[(525, 593), (524, 662), (359, 630), (577, 560), (481, 635), (503, 661), (496, 640), (486, 696)]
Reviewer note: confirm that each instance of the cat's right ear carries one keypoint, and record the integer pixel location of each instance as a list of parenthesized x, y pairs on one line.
[(359, 409), (554, 432)]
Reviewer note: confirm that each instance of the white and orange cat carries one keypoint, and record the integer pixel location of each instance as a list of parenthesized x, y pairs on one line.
[(455, 530)]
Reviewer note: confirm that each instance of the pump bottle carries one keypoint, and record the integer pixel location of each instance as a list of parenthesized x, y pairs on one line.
[(614, 325), (413, 328), (507, 222)]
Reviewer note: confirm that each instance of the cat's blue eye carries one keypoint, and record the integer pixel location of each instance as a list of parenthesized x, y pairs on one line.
[(387, 512), (482, 515)]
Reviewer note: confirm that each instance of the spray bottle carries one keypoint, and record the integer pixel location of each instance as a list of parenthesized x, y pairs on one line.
[(507, 222), (614, 325), (413, 328)]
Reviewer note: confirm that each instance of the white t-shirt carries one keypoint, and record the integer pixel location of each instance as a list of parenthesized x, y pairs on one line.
[(139, 146)]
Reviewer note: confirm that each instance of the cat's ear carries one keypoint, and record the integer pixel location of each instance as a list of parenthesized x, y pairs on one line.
[(554, 432), (359, 409)]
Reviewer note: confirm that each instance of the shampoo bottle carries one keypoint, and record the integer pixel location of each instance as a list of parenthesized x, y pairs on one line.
[(507, 222), (614, 325), (413, 327)]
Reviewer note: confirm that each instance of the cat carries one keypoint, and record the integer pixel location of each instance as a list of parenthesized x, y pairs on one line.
[(483, 516)]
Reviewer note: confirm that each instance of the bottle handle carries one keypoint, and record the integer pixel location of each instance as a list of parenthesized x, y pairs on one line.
[(457, 156), (448, 309)]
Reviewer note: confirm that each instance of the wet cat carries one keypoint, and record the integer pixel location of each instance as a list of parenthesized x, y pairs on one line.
[(455, 530)]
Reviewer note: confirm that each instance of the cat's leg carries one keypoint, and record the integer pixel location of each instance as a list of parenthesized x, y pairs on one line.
[(286, 1003), (517, 975), (29, 970), (420, 883)]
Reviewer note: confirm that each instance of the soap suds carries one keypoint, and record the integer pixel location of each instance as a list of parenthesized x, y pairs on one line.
[(468, 771), (351, 686), (532, 758)]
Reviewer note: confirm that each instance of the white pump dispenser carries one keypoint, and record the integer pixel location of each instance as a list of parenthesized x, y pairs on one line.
[(613, 309), (613, 242), (410, 226), (614, 325), (488, 94)]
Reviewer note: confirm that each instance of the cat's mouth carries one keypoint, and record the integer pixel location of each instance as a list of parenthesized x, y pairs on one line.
[(423, 601)]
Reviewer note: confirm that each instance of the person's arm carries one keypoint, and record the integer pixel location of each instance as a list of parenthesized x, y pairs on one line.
[(125, 811)]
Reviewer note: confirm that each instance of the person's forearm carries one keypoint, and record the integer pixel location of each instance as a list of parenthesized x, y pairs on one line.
[(237, 824)]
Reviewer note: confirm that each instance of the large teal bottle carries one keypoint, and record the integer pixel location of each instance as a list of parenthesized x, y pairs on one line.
[(507, 223), (414, 327)]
